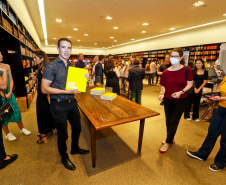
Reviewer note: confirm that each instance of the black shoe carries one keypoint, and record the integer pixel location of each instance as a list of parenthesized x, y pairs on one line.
[(214, 168), (79, 151), (68, 164), (4, 163), (194, 155), (161, 103)]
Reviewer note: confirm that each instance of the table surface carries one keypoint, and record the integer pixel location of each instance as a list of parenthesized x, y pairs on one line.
[(105, 113)]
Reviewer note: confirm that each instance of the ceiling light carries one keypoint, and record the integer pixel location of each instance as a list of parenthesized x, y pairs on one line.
[(86, 34), (108, 18), (69, 37), (103, 47), (172, 29), (145, 24), (58, 20), (224, 14), (143, 32), (115, 40), (115, 28), (95, 44), (111, 37), (76, 29), (54, 38), (43, 19), (199, 3), (132, 39), (78, 40)]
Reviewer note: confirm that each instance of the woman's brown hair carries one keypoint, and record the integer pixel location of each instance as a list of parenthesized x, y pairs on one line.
[(195, 68), (41, 54), (110, 65), (181, 53)]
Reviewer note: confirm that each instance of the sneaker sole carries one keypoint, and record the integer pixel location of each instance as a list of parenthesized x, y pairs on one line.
[(211, 169), (193, 156), (163, 151)]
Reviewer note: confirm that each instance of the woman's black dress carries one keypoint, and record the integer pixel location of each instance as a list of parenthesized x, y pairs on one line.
[(113, 81)]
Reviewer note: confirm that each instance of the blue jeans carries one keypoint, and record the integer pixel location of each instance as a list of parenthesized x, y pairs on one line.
[(217, 127)]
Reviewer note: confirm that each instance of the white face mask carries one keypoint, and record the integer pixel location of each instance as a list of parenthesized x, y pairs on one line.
[(174, 60)]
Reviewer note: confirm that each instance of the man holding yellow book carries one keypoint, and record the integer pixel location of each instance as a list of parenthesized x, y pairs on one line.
[(63, 105)]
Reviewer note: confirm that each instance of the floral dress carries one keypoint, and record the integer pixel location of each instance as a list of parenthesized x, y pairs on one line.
[(15, 116)]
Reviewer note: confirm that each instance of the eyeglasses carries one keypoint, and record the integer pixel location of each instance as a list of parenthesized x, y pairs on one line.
[(174, 56)]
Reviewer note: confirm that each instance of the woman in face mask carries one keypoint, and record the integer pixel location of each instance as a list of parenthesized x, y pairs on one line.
[(175, 83)]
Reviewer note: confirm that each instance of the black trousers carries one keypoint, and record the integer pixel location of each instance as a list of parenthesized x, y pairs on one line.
[(173, 112), (61, 112), (2, 149), (195, 99)]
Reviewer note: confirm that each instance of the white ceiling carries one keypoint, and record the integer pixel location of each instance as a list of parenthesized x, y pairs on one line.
[(89, 17)]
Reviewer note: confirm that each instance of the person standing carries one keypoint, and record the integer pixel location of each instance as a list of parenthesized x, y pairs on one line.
[(112, 74), (80, 63), (217, 128), (4, 159), (157, 66), (15, 116), (174, 85), (95, 60), (200, 77), (63, 105), (99, 69), (135, 78), (44, 118), (153, 69)]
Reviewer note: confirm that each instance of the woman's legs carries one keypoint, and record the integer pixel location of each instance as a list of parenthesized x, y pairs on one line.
[(6, 129), (20, 125), (187, 108), (197, 98)]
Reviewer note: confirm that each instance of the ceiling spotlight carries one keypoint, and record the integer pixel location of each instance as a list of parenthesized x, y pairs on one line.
[(115, 40), (132, 39), (115, 28), (95, 44), (69, 37), (199, 3), (78, 40), (58, 20), (111, 37), (85, 34), (108, 18), (76, 29), (224, 14), (172, 28), (143, 32), (145, 24), (54, 38)]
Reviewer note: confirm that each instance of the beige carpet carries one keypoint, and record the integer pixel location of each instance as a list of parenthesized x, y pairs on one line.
[(117, 160)]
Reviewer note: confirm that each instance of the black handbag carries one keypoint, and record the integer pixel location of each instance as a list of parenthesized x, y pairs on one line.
[(5, 109)]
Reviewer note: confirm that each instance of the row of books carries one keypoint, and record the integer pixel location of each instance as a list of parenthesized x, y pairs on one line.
[(30, 96), (103, 94), (7, 26), (205, 52), (26, 52), (211, 57), (25, 41), (3, 6), (29, 85)]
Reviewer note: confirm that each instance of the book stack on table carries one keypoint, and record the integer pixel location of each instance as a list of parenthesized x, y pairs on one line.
[(97, 91), (108, 96)]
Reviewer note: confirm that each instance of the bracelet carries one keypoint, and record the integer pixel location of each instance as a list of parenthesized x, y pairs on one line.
[(182, 91), (217, 94)]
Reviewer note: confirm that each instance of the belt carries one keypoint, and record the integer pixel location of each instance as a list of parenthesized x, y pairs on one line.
[(63, 101)]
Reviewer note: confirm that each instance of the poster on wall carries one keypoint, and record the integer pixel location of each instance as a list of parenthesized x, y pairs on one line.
[(186, 57)]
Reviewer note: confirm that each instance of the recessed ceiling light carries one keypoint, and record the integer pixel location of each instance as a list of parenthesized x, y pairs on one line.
[(43, 19), (115, 28), (86, 34), (76, 29), (145, 24), (95, 44), (132, 39), (108, 18), (224, 14), (78, 40), (111, 37), (115, 40), (69, 37), (143, 32), (172, 28), (54, 38), (58, 20), (199, 3)]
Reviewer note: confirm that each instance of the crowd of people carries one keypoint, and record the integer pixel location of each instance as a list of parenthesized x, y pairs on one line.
[(181, 86)]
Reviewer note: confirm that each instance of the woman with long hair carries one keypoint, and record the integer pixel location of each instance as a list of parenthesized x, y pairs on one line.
[(44, 119), (200, 76), (112, 74), (15, 116), (174, 84)]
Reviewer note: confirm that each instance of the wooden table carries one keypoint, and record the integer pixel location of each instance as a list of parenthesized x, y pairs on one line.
[(103, 114)]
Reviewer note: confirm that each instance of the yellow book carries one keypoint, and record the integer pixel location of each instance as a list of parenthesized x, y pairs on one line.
[(110, 95), (76, 79), (97, 89)]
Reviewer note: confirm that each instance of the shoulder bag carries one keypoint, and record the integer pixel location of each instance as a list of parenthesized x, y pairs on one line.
[(5, 109)]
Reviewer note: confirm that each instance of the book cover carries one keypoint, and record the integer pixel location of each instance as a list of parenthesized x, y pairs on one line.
[(76, 79)]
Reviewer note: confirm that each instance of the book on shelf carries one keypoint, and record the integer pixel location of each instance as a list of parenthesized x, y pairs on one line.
[(97, 91), (108, 96)]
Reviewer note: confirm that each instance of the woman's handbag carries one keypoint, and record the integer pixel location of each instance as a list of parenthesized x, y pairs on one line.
[(5, 109), (208, 114)]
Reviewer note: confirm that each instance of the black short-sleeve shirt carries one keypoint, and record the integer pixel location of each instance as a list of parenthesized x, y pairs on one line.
[(198, 79), (80, 64), (164, 66), (56, 71)]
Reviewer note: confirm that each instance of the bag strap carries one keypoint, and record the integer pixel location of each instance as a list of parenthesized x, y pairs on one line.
[(186, 71)]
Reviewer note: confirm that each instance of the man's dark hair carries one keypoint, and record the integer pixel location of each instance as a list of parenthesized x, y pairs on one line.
[(116, 57), (136, 62), (63, 39), (101, 57)]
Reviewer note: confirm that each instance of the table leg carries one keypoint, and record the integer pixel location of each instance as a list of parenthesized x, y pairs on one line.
[(93, 144), (142, 121)]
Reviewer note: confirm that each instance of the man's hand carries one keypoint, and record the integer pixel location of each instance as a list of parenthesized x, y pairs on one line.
[(196, 91), (87, 76), (176, 94), (72, 91)]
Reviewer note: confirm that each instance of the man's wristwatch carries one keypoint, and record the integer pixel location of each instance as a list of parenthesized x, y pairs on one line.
[(182, 91)]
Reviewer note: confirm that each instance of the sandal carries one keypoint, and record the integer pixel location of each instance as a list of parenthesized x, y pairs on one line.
[(41, 139), (53, 132)]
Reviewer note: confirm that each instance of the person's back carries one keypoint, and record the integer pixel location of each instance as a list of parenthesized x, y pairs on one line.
[(153, 67)]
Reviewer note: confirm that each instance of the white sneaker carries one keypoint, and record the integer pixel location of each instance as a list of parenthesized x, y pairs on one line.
[(10, 137), (188, 119), (164, 148), (197, 120), (25, 132)]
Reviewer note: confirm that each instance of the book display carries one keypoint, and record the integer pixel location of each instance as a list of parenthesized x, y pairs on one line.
[(108, 96), (97, 91), (17, 47)]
